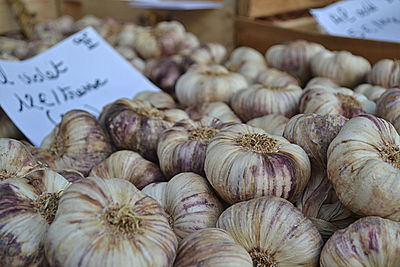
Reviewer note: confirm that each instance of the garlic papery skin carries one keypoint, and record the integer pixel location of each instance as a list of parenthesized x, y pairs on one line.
[(343, 67), (110, 223), (182, 148), (314, 133), (247, 61), (385, 73), (294, 57), (275, 78), (273, 232), (364, 167), (136, 125), (208, 84), (243, 162), (218, 110), (77, 142), (260, 100), (370, 241), (15, 159), (370, 91), (130, 166), (321, 81), (159, 100), (325, 100), (273, 123), (27, 207), (388, 107), (208, 54), (211, 247), (189, 201)]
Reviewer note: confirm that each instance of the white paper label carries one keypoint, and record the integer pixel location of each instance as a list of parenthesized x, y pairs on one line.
[(81, 72), (369, 19)]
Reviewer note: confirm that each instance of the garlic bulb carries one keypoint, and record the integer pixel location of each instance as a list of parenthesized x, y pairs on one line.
[(364, 167), (321, 81), (128, 35), (243, 162), (273, 232), (130, 55), (314, 133), (208, 84), (325, 100), (27, 208), (293, 57), (162, 40), (385, 73), (159, 100), (341, 66), (71, 175), (388, 107), (86, 21), (182, 148), (208, 54), (189, 202), (211, 247), (370, 91), (370, 241), (77, 142), (273, 123), (128, 165), (275, 78), (247, 61), (218, 110), (136, 125), (109, 222), (259, 100), (15, 159), (188, 44), (164, 72)]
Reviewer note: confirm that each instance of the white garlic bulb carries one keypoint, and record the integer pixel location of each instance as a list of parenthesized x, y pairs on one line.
[(208, 84), (385, 73), (243, 162), (218, 110), (27, 208), (77, 142), (273, 232), (182, 148), (293, 57), (321, 81), (189, 202), (208, 54), (370, 91), (128, 35), (364, 167), (341, 66), (247, 61), (273, 123), (388, 107), (159, 100), (211, 247), (259, 100), (370, 242), (109, 222), (188, 44), (128, 165), (275, 78), (325, 100)]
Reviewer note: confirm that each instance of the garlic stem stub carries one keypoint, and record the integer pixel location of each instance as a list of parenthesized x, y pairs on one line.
[(110, 223), (370, 241), (211, 247), (188, 201), (364, 167), (243, 162), (28, 206), (273, 232), (77, 142)]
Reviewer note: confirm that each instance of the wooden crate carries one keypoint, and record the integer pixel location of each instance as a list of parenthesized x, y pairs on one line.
[(260, 8), (261, 35)]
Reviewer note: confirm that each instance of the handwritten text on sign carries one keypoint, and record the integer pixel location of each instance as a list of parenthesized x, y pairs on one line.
[(370, 19), (81, 72)]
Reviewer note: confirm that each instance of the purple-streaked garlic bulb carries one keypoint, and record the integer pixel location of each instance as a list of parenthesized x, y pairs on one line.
[(388, 107), (208, 54), (159, 100), (273, 123), (385, 73), (321, 81), (372, 92), (275, 78), (218, 110)]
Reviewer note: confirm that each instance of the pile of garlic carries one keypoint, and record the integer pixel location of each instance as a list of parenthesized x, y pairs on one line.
[(292, 159)]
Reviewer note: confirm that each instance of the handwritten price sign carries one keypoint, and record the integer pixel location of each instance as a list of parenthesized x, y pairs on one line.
[(369, 19), (81, 72)]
